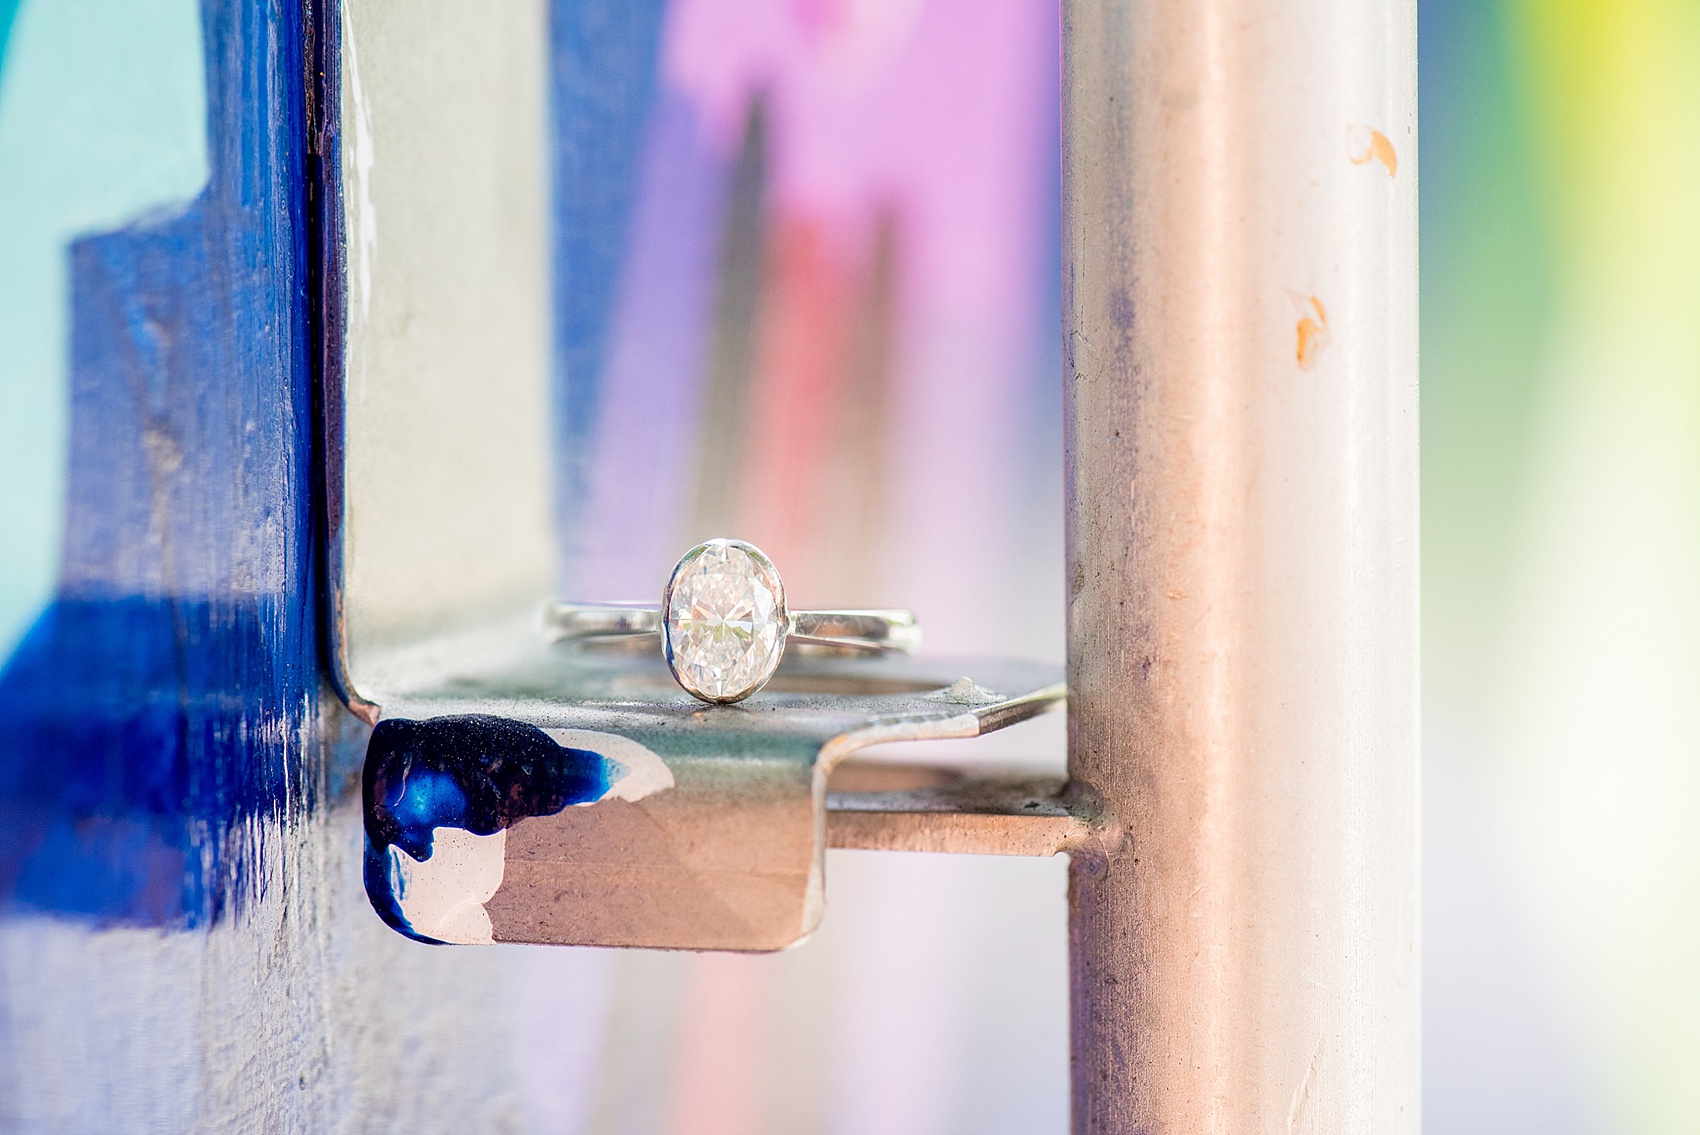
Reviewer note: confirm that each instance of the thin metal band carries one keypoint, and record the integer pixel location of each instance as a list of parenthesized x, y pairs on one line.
[(874, 632)]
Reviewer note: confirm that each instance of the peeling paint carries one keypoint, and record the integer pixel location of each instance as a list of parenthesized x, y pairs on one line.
[(1365, 144), (441, 794), (443, 895), (1312, 331), (470, 773)]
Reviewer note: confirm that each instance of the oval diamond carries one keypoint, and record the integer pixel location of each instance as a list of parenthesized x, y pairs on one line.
[(725, 620)]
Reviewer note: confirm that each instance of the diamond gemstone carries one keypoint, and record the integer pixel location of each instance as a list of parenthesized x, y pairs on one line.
[(726, 620)]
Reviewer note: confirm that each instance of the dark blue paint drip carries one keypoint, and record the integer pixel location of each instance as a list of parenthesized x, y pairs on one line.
[(164, 699), (474, 772), (601, 86)]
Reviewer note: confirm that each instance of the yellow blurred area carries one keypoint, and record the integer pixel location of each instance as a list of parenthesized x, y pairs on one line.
[(1584, 740)]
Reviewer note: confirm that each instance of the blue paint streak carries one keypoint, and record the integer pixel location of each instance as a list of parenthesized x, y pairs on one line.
[(163, 700), (8, 17), (602, 82), (474, 772)]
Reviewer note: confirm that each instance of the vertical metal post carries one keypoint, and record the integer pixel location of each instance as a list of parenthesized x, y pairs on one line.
[(1240, 232)]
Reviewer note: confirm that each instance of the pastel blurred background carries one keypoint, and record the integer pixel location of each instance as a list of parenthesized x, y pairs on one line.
[(806, 267), (1561, 562), (807, 280)]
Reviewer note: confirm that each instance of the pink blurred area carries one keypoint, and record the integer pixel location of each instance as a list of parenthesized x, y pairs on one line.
[(885, 412), (939, 113), (863, 382)]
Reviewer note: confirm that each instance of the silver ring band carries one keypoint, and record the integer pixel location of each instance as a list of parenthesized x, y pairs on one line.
[(867, 632), (724, 625)]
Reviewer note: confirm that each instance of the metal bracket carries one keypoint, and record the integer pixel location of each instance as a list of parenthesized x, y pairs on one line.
[(529, 793), (516, 791)]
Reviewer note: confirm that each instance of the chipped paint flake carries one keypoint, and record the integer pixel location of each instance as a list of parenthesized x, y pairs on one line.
[(443, 896), (1365, 144), (440, 795), (640, 771), (1312, 331)]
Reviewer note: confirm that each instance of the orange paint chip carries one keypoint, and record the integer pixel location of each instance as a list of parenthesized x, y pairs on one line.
[(1365, 145), (1312, 332)]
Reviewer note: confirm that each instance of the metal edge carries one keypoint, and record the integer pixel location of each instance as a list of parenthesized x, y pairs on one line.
[(972, 721), (327, 299)]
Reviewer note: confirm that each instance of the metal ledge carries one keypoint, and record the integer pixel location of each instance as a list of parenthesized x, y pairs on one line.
[(520, 792)]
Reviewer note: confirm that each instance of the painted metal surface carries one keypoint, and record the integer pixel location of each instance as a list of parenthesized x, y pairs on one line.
[(133, 777), (184, 945), (102, 123), (1240, 238)]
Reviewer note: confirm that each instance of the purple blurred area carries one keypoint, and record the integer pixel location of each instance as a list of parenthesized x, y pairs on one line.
[(807, 295)]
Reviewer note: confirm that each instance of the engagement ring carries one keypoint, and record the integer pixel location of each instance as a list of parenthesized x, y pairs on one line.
[(724, 625)]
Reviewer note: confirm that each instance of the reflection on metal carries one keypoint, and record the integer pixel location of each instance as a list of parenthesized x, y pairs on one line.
[(724, 850), (437, 321), (1240, 312)]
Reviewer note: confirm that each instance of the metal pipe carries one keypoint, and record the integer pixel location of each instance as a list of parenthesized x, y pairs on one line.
[(1239, 202)]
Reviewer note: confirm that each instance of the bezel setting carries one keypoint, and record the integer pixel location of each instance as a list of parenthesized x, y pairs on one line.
[(678, 649)]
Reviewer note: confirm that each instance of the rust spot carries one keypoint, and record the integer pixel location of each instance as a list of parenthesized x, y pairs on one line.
[(1365, 145), (1312, 331)]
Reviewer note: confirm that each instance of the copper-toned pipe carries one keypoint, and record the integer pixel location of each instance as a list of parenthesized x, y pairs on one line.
[(1241, 314)]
